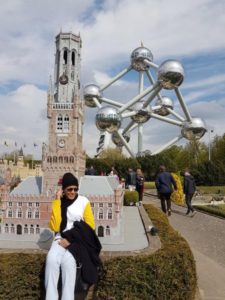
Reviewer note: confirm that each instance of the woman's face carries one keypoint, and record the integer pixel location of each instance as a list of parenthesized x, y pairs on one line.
[(70, 192)]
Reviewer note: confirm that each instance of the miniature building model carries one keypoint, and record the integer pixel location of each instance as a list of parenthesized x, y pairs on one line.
[(26, 210)]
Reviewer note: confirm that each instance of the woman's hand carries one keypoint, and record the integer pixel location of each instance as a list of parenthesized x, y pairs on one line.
[(64, 243), (58, 194)]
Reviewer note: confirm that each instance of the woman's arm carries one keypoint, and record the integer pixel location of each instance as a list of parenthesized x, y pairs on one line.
[(56, 218), (88, 216)]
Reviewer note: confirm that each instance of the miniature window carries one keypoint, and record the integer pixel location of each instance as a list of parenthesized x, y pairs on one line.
[(66, 123), (29, 213), (37, 214), (32, 229), (37, 229), (12, 228), (25, 229), (60, 123), (100, 214), (107, 231), (65, 57), (6, 228), (19, 213), (10, 214), (110, 214)]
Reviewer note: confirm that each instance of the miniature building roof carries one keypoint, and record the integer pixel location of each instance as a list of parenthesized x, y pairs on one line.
[(30, 186), (98, 185)]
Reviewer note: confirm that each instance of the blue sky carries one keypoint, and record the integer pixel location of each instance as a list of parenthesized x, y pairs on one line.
[(189, 31)]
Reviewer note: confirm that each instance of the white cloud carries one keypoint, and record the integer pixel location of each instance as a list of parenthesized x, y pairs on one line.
[(110, 32)]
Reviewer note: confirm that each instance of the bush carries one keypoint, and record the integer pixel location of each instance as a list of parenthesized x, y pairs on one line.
[(148, 185), (130, 197), (22, 276), (217, 210), (169, 273), (178, 195)]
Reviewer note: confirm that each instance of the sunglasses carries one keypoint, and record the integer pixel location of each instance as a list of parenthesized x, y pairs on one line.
[(75, 189)]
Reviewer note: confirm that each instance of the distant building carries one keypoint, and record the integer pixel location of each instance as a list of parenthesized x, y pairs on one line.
[(26, 210), (18, 168)]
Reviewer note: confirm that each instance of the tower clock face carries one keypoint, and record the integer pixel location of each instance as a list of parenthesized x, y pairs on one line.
[(61, 143)]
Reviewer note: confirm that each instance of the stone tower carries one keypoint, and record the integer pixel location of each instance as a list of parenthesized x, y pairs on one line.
[(65, 111)]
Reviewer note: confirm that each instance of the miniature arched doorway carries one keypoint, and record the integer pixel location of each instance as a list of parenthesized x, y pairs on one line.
[(18, 229), (100, 231)]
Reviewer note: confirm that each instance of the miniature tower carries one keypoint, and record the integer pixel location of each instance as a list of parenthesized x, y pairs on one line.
[(65, 111)]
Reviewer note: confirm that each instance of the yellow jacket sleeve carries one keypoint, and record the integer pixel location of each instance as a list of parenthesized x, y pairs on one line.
[(55, 220), (88, 216)]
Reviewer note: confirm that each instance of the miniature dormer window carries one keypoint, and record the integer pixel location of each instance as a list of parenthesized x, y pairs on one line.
[(59, 123)]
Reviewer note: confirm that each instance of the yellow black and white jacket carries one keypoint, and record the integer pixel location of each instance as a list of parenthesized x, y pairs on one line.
[(80, 209)]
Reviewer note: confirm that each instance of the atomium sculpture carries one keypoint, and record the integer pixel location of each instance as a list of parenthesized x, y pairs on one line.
[(170, 75)]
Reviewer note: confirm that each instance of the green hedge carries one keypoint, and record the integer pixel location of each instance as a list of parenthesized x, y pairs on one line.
[(21, 276), (130, 197), (148, 185), (217, 210), (169, 273)]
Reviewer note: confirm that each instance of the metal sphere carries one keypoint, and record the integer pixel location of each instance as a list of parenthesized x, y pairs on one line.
[(138, 56), (108, 119), (170, 74), (91, 91), (142, 114), (194, 130), (116, 139), (165, 103)]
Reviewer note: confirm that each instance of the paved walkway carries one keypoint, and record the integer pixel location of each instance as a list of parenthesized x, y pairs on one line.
[(206, 237)]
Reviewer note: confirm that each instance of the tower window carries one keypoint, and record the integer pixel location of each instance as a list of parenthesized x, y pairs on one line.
[(66, 123), (65, 57), (73, 58), (59, 123)]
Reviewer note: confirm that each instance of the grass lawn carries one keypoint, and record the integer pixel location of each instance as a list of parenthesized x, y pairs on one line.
[(211, 189)]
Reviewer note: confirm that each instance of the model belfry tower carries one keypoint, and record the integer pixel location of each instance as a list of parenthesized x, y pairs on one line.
[(64, 152)]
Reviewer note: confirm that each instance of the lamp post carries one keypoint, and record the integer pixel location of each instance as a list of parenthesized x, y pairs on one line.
[(210, 131)]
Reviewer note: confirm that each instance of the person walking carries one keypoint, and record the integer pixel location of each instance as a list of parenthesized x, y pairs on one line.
[(75, 241), (189, 190), (131, 179), (164, 184), (140, 184)]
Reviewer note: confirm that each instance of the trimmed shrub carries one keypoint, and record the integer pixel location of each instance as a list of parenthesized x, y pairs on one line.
[(178, 195), (22, 276), (169, 273), (149, 185), (130, 198), (217, 210)]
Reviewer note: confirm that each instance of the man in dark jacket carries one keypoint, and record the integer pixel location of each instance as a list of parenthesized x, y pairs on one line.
[(164, 183), (189, 190)]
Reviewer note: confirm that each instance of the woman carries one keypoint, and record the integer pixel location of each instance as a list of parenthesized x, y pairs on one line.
[(140, 184), (71, 220)]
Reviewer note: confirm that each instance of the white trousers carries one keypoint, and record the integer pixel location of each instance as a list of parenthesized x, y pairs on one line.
[(60, 257)]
